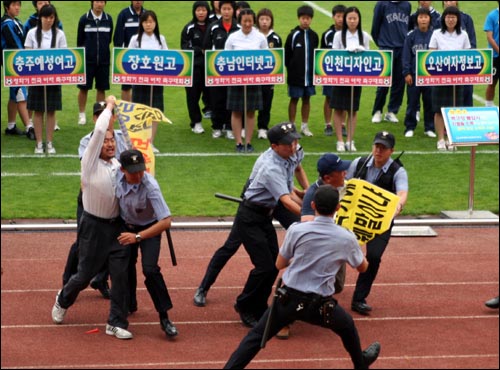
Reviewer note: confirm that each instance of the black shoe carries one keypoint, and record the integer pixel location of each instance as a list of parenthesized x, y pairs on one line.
[(240, 148), (200, 297), (250, 148), (14, 131), (360, 307), (168, 328), (492, 303), (30, 134), (247, 318), (371, 353), (103, 287)]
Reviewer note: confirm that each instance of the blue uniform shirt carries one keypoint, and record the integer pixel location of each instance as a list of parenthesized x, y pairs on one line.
[(317, 250), (373, 173), (141, 204)]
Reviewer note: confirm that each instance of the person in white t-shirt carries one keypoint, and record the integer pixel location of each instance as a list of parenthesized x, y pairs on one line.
[(41, 99), (451, 36), (149, 38), (247, 38)]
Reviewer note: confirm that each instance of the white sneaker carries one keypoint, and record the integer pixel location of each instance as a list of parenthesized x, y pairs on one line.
[(57, 311), (56, 127), (450, 147), (262, 134), (305, 131), (229, 134), (441, 145), (430, 133), (155, 151), (340, 146), (409, 133), (377, 117), (417, 116), (82, 120), (39, 148), (118, 332), (350, 146), (216, 134), (198, 128), (243, 133), (50, 148), (391, 117)]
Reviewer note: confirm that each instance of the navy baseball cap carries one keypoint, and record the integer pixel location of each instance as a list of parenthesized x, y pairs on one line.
[(385, 138), (330, 162), (132, 160), (283, 133)]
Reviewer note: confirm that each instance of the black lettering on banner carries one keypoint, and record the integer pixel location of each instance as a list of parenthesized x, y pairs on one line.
[(367, 223), (363, 235)]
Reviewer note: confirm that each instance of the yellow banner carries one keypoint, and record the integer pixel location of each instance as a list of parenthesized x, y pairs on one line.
[(136, 123), (366, 209)]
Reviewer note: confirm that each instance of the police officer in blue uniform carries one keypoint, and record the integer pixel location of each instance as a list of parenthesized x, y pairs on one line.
[(313, 253)]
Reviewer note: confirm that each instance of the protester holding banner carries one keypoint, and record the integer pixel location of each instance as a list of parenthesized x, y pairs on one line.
[(299, 61), (246, 38), (215, 39), (265, 24), (192, 36), (146, 216), (451, 36), (149, 37), (353, 39), (127, 25), (13, 38), (491, 29), (45, 99), (95, 30), (381, 170)]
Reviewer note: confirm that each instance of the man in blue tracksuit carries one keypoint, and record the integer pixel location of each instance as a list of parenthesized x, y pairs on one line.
[(389, 29)]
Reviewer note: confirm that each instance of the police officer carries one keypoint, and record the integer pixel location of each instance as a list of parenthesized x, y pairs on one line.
[(381, 170), (146, 216), (272, 182), (313, 252)]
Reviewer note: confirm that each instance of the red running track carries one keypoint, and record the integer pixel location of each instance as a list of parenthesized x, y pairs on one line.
[(428, 309)]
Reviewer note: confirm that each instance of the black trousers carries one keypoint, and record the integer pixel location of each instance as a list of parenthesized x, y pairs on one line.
[(259, 238), (264, 116), (221, 117), (99, 245), (397, 89), (233, 242), (194, 93), (72, 261), (155, 284), (374, 251), (288, 311)]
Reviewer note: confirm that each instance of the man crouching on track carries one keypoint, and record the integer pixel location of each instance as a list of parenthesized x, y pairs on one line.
[(313, 252)]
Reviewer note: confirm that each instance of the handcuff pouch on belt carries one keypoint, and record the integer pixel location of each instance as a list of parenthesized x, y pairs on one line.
[(327, 309)]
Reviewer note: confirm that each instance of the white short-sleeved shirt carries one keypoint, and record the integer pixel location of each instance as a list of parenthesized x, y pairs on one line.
[(148, 42), (449, 41), (351, 40), (240, 41), (46, 43)]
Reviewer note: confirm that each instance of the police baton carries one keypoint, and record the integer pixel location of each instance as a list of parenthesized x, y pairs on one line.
[(171, 247), (270, 316), (228, 197)]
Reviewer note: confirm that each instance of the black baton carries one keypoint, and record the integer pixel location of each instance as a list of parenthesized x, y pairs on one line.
[(228, 197), (270, 316), (171, 247)]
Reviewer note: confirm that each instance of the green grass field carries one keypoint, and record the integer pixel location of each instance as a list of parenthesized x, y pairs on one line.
[(193, 167)]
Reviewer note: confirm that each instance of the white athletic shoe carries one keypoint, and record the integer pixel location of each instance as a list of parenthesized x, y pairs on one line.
[(340, 146), (305, 131), (56, 127), (39, 148), (377, 117), (118, 332), (229, 134), (417, 116), (216, 134), (198, 128), (57, 311), (409, 133), (430, 133), (391, 117), (155, 151), (243, 133), (441, 145), (82, 120), (262, 134), (350, 146)]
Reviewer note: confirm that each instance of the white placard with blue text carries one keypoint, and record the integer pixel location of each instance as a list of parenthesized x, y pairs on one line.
[(470, 126)]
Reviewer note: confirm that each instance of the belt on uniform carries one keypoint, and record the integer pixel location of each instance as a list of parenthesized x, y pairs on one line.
[(259, 209), (100, 219), (137, 228), (305, 296)]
